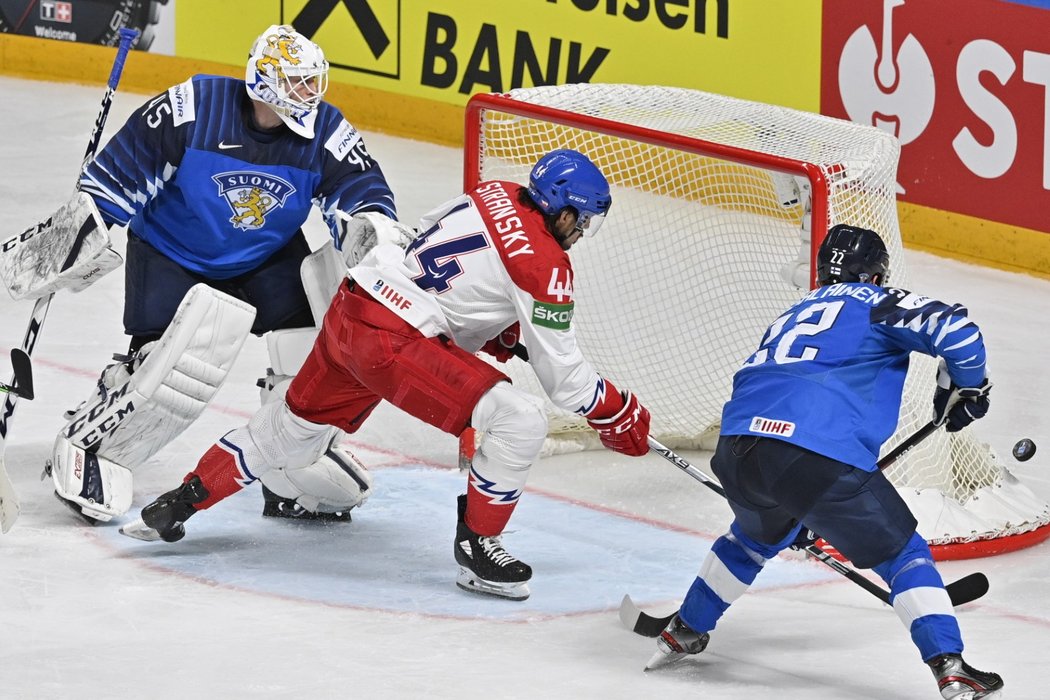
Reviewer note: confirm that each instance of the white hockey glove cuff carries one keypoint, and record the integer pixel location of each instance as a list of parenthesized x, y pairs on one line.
[(69, 250), (360, 233)]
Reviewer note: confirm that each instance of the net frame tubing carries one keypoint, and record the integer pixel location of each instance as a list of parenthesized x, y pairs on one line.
[(472, 152)]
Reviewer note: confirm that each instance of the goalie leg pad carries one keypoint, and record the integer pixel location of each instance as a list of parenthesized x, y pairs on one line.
[(335, 483), (288, 350), (129, 423), (99, 488), (322, 271), (69, 250)]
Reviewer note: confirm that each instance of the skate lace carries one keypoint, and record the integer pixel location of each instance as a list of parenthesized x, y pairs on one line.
[(493, 548)]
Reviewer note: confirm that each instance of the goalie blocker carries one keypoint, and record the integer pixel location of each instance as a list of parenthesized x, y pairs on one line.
[(69, 250)]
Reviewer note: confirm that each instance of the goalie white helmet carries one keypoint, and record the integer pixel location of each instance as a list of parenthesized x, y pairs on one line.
[(289, 73)]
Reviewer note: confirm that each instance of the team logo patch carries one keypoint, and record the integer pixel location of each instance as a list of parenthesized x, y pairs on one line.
[(556, 316), (771, 426), (252, 196)]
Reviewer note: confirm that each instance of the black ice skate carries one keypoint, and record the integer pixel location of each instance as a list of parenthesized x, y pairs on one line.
[(275, 506), (485, 567), (675, 642), (958, 680), (163, 518)]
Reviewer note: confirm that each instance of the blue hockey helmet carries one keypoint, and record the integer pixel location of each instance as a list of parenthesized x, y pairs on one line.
[(852, 254), (567, 178)]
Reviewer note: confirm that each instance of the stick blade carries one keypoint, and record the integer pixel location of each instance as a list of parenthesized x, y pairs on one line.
[(967, 589), (640, 622), (9, 505), (23, 370)]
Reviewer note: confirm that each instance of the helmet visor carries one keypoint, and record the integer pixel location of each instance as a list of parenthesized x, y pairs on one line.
[(589, 222)]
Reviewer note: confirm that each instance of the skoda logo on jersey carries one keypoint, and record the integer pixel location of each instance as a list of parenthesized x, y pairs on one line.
[(252, 196)]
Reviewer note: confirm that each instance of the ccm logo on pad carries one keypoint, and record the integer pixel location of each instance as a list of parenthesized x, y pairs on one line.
[(772, 427)]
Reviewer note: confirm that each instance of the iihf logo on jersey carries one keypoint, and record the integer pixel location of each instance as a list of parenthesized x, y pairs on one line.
[(772, 426), (252, 196)]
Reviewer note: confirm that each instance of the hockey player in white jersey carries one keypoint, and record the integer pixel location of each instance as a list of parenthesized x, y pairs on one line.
[(214, 179), (489, 270)]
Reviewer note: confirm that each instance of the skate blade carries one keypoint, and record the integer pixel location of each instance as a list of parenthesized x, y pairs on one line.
[(140, 531), (511, 591), (663, 658)]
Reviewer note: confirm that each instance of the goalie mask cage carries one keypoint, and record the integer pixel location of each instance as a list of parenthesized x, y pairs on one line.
[(719, 205)]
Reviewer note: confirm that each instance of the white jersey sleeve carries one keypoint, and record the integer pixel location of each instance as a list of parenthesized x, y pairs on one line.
[(485, 261)]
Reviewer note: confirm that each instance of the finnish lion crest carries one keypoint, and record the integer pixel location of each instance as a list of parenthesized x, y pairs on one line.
[(279, 46), (252, 196)]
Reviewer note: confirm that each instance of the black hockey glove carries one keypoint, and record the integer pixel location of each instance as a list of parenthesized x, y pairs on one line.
[(958, 406), (805, 538)]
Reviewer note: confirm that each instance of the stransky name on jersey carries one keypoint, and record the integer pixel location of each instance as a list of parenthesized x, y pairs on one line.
[(252, 196), (498, 204), (771, 426)]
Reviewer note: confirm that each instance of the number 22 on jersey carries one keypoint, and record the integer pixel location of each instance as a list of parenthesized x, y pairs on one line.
[(785, 341)]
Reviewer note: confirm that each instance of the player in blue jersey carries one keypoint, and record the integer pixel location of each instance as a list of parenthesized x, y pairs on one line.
[(214, 179), (800, 438)]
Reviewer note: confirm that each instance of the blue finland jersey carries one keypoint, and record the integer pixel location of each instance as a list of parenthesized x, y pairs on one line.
[(190, 175), (829, 372)]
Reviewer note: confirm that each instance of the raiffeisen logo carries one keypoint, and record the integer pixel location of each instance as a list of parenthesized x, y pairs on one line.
[(892, 90)]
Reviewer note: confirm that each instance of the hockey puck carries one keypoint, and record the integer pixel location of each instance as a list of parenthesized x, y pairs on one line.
[(1024, 449)]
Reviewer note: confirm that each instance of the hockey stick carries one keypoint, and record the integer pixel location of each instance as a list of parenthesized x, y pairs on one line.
[(22, 368), (964, 590), (9, 506)]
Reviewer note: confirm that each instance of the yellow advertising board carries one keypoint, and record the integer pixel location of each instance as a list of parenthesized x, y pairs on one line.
[(446, 50)]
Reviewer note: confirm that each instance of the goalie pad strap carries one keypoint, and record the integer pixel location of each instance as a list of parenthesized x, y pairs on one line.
[(176, 380)]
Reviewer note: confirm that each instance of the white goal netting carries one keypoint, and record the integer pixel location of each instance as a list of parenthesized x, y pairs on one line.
[(715, 203)]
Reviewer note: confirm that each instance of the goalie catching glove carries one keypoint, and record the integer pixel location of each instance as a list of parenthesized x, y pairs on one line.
[(69, 250), (360, 233), (958, 406), (627, 430)]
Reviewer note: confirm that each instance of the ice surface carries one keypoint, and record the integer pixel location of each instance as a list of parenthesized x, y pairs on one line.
[(250, 608)]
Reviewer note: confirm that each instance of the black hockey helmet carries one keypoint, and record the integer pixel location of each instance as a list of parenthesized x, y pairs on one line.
[(852, 254)]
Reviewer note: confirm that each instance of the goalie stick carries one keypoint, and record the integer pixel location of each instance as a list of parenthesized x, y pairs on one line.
[(965, 590), (9, 506), (22, 368)]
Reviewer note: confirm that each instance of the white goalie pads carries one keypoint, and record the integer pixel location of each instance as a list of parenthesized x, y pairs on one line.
[(335, 483), (130, 421), (322, 271), (297, 459), (362, 232), (100, 488), (69, 250)]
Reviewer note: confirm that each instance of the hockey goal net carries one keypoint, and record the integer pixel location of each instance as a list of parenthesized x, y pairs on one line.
[(719, 205)]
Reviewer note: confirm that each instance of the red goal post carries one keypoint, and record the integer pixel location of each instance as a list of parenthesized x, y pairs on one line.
[(719, 206)]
